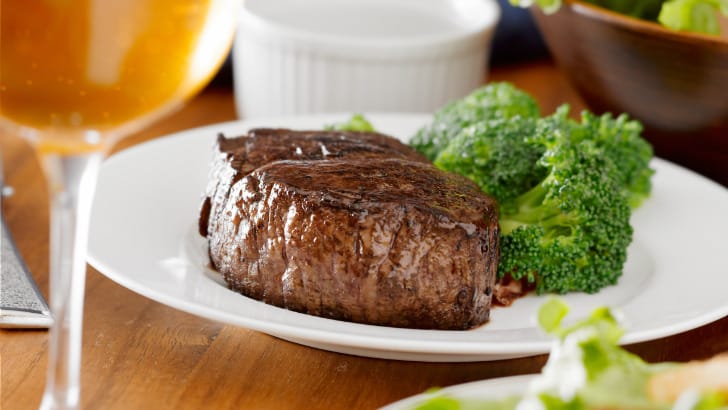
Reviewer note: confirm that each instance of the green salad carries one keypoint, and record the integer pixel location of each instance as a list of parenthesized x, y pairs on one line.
[(587, 369), (700, 16)]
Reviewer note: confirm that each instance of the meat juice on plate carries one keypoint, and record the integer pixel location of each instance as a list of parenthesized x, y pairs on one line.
[(80, 65)]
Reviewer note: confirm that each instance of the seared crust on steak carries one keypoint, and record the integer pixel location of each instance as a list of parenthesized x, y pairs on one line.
[(375, 237), (236, 157)]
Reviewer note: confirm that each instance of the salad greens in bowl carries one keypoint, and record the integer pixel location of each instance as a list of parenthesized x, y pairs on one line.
[(699, 16)]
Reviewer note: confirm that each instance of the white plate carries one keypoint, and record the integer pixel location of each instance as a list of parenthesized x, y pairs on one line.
[(143, 237), (485, 390)]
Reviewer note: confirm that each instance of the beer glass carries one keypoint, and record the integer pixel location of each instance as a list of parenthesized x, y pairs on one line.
[(75, 76)]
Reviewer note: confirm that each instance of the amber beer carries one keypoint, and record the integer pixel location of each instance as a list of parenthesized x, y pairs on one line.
[(80, 70)]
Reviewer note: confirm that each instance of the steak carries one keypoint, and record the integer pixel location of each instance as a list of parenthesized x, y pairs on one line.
[(366, 232), (236, 157)]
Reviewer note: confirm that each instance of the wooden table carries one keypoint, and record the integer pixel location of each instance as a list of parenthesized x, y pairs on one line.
[(138, 353)]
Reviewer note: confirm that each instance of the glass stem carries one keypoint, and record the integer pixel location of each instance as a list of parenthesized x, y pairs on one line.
[(72, 181)]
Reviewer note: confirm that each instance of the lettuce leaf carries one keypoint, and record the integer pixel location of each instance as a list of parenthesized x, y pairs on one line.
[(586, 369), (700, 16), (587, 366)]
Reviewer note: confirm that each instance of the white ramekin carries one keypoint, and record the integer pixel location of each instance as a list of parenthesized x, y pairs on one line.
[(307, 56)]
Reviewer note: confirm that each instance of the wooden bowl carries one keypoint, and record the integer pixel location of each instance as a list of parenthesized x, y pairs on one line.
[(675, 83)]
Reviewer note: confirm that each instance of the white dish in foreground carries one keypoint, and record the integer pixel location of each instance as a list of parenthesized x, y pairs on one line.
[(484, 390), (143, 237)]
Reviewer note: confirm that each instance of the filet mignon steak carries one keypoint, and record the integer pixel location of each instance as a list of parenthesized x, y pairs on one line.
[(369, 235)]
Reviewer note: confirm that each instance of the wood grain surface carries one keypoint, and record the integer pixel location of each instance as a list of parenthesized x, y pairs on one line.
[(140, 354)]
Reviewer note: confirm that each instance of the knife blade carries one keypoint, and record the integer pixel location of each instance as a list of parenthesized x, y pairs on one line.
[(22, 305)]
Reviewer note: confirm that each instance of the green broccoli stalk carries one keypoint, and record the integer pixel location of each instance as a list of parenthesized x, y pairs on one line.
[(571, 231), (496, 100)]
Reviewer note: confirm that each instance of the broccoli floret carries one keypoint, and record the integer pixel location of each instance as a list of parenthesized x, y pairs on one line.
[(496, 155), (357, 122), (570, 232), (495, 100), (559, 127), (565, 188), (502, 156), (621, 140)]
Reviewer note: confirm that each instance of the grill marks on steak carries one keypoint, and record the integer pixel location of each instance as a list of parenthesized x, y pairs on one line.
[(380, 238)]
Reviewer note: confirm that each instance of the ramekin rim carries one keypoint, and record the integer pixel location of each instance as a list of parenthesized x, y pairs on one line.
[(248, 18)]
